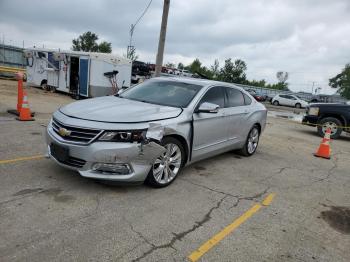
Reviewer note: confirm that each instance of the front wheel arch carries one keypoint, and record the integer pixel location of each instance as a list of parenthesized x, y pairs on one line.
[(183, 142), (150, 179)]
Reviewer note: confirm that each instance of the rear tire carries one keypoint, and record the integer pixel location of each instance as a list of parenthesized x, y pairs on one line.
[(330, 122), (166, 168), (276, 103), (252, 142), (297, 105)]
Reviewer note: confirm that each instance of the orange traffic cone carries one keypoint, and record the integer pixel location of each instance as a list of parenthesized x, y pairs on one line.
[(25, 114), (19, 77), (19, 92), (324, 150)]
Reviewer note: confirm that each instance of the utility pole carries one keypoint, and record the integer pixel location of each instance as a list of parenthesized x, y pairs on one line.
[(160, 53), (312, 88)]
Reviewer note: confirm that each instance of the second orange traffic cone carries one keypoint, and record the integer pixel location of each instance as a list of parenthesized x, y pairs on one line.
[(25, 114), (324, 150)]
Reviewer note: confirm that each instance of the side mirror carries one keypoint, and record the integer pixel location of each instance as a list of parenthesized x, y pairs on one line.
[(208, 108)]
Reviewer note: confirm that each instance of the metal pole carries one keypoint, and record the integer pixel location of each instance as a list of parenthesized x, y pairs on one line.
[(22, 55), (3, 47), (160, 53)]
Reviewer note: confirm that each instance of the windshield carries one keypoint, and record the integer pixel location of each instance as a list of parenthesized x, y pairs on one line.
[(168, 93)]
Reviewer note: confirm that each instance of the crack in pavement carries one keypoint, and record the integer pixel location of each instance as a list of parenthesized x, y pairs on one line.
[(237, 197), (280, 171), (250, 198), (207, 217), (176, 236), (208, 188), (330, 172)]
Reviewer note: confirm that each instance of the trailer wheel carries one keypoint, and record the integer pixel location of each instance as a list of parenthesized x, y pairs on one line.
[(43, 85)]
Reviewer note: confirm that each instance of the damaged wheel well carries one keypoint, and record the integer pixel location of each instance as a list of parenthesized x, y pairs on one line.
[(184, 144), (259, 126)]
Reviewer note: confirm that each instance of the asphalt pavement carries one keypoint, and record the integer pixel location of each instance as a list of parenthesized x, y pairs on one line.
[(282, 204)]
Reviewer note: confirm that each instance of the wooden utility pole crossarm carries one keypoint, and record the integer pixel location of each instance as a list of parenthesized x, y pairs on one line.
[(161, 44)]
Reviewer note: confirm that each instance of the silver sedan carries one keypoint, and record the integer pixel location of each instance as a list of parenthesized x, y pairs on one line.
[(152, 130)]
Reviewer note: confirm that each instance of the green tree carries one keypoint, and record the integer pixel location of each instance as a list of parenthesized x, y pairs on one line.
[(105, 47), (195, 66), (180, 66), (233, 72), (342, 82), (260, 83), (170, 65), (282, 78), (87, 42)]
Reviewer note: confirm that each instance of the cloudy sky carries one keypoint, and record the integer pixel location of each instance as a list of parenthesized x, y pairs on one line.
[(310, 39)]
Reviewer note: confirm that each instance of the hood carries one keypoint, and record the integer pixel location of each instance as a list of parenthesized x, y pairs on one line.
[(118, 110)]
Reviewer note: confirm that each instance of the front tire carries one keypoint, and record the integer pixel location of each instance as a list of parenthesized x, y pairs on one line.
[(332, 123), (167, 166), (252, 142)]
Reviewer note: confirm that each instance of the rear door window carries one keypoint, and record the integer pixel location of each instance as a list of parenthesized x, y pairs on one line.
[(247, 99), (234, 97)]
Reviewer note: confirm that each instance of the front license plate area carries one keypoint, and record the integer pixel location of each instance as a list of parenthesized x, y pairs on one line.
[(59, 152)]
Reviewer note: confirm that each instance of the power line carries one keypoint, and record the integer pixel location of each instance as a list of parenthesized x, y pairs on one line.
[(131, 49), (143, 13)]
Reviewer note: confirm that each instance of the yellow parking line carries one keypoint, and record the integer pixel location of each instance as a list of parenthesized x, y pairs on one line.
[(21, 159), (197, 254), (267, 201)]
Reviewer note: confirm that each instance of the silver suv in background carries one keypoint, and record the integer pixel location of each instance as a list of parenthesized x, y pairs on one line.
[(152, 130)]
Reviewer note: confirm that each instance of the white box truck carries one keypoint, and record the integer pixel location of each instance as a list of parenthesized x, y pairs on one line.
[(78, 73)]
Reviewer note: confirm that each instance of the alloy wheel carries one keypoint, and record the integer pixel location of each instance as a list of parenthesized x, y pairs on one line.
[(253, 140), (166, 167)]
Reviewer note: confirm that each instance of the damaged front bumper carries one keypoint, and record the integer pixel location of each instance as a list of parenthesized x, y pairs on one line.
[(114, 161)]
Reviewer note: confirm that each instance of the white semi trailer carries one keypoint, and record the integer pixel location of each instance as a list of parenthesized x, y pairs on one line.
[(78, 73)]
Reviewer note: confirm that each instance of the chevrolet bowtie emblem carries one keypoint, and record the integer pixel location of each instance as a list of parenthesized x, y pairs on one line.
[(64, 132)]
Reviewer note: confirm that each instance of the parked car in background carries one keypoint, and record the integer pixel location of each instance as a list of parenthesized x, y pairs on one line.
[(184, 72), (257, 95), (269, 97), (140, 71), (153, 129), (289, 100), (326, 115)]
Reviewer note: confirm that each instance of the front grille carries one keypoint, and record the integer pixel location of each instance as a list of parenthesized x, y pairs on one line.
[(74, 134), (74, 162)]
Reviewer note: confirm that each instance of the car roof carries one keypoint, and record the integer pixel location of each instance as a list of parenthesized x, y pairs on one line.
[(198, 81)]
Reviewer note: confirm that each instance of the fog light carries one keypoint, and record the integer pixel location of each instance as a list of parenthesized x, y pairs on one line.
[(116, 169)]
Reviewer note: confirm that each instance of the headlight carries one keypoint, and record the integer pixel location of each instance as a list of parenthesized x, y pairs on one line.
[(123, 136), (313, 111)]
